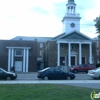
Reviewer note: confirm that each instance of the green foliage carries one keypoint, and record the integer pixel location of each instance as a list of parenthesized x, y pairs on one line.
[(44, 92), (97, 25)]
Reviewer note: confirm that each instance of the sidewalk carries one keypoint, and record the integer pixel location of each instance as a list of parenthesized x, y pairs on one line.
[(26, 76)]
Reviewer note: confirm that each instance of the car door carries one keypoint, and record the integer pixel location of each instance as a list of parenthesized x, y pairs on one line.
[(59, 74), (86, 67), (81, 68), (50, 73)]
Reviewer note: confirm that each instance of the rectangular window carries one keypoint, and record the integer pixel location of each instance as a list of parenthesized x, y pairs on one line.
[(40, 53), (41, 45), (18, 52), (98, 52), (62, 45), (97, 43), (73, 47), (92, 60)]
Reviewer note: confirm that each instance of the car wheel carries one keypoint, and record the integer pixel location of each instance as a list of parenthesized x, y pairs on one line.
[(8, 78), (75, 71), (68, 78), (45, 78)]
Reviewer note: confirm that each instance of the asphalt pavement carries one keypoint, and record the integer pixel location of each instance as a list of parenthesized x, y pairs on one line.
[(33, 76), (81, 80)]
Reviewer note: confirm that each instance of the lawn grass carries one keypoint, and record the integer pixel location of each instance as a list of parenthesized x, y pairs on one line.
[(44, 92)]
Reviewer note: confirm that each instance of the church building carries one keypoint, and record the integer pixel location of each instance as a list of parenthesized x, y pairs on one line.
[(72, 47)]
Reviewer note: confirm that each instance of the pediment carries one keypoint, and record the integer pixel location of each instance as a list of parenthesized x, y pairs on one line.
[(75, 35)]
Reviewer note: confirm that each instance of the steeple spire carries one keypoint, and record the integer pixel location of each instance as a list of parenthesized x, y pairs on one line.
[(71, 20), (71, 2), (71, 6)]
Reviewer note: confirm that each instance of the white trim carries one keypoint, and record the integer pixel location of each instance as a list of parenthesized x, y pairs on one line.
[(69, 54), (40, 52), (72, 33), (90, 46), (9, 58), (58, 59), (24, 56), (41, 45), (80, 53), (19, 47), (74, 41), (12, 57), (27, 59)]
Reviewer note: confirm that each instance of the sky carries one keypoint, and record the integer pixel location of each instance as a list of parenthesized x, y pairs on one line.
[(43, 18)]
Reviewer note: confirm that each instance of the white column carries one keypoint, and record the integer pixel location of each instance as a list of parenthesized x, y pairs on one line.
[(74, 10), (90, 47), (58, 59), (80, 54), (12, 57), (27, 59), (9, 58), (24, 61), (69, 54)]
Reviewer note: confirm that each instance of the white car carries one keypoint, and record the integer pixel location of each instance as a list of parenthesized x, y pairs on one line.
[(95, 73)]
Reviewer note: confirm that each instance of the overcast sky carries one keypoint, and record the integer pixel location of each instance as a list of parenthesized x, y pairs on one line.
[(42, 18)]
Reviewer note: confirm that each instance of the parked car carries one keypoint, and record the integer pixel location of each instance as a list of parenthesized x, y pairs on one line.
[(7, 75), (82, 68), (55, 73), (94, 73)]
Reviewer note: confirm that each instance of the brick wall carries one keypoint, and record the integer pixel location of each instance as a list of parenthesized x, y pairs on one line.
[(20, 43)]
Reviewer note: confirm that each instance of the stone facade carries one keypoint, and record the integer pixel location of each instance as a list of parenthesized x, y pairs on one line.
[(50, 51), (51, 56)]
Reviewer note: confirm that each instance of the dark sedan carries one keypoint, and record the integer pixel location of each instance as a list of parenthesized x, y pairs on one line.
[(7, 75), (55, 73)]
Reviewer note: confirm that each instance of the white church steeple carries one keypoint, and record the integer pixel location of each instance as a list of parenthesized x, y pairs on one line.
[(71, 20)]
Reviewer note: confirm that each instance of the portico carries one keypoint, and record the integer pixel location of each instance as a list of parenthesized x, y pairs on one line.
[(19, 58), (79, 52)]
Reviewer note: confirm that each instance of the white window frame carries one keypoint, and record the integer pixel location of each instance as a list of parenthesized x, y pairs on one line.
[(40, 53), (41, 45), (18, 50), (73, 47), (97, 52)]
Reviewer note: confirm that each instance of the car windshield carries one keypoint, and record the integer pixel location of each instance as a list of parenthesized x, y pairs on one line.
[(3, 70), (45, 69)]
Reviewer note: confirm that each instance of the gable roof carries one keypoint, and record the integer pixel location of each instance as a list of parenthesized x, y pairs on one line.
[(73, 35), (32, 38)]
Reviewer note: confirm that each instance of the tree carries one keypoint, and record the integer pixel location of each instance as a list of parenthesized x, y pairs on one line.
[(97, 25)]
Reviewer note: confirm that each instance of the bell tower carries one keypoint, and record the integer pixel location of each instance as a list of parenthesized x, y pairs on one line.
[(71, 20)]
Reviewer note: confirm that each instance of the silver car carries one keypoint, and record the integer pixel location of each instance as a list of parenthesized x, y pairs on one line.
[(95, 73)]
